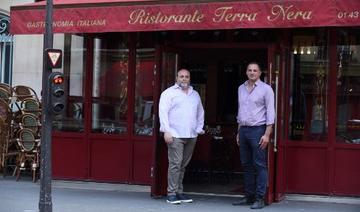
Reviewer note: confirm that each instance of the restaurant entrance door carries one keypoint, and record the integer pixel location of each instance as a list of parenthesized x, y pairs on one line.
[(216, 73)]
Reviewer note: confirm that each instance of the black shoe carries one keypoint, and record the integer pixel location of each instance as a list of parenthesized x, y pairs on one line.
[(244, 201), (258, 204), (172, 199), (184, 198)]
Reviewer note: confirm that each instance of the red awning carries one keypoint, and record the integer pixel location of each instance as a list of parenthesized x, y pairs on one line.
[(91, 16)]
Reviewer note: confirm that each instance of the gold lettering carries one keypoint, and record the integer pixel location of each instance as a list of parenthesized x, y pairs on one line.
[(288, 13), (89, 23), (136, 15), (35, 24), (140, 16), (224, 14), (220, 13), (197, 17), (63, 23), (68, 23)]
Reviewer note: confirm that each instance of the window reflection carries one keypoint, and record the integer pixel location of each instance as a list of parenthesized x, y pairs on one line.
[(169, 69), (74, 70), (309, 88), (348, 88), (144, 92), (110, 78)]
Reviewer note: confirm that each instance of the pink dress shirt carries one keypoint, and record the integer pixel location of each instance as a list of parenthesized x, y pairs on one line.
[(256, 107)]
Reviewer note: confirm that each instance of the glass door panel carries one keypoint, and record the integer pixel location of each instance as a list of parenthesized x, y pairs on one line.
[(110, 80), (74, 70), (309, 87), (144, 92), (348, 88), (169, 69)]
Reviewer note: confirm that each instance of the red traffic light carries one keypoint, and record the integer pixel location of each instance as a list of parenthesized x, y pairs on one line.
[(58, 79)]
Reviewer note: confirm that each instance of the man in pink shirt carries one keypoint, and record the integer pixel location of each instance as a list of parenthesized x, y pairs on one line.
[(181, 120), (256, 115)]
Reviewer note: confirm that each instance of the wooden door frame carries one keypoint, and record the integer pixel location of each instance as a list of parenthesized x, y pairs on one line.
[(283, 87), (159, 163), (157, 188), (330, 147)]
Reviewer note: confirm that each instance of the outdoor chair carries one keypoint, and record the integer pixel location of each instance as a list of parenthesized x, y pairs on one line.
[(9, 117), (30, 121), (22, 92), (31, 105), (29, 153), (5, 95), (5, 111), (3, 137), (9, 150), (7, 87)]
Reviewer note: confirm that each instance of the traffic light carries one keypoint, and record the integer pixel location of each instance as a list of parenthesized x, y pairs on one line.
[(57, 93)]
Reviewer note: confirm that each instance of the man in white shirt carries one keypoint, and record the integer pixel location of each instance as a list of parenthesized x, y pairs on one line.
[(181, 120)]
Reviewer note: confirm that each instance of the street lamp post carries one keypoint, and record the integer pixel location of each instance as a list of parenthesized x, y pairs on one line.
[(45, 202)]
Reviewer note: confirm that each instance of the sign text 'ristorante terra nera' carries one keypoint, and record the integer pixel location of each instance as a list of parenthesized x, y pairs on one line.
[(197, 16)]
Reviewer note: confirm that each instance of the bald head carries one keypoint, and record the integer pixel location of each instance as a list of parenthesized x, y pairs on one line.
[(183, 79)]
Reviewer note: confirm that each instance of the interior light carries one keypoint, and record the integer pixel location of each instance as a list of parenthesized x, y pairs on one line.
[(308, 50), (295, 50)]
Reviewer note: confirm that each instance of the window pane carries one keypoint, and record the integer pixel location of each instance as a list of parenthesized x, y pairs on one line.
[(110, 78), (348, 88), (144, 92), (169, 69), (74, 71), (6, 48), (309, 87)]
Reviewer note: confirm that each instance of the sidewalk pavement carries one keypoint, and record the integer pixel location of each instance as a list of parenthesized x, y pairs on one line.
[(75, 196)]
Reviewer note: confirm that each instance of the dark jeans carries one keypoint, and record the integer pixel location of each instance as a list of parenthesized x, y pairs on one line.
[(253, 160)]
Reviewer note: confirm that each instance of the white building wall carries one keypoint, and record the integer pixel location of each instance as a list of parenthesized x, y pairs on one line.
[(27, 63), (28, 60), (28, 56), (5, 4)]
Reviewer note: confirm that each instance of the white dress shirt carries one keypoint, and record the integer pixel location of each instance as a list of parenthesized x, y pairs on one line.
[(181, 114)]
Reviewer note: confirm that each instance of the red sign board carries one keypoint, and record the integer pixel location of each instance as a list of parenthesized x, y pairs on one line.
[(187, 16)]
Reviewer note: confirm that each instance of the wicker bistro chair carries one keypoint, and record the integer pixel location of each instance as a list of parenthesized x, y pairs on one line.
[(29, 153), (7, 87), (9, 150), (31, 105), (5, 95), (3, 141), (31, 122), (5, 112), (22, 92)]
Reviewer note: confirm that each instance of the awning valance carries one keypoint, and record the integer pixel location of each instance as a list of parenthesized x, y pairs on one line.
[(92, 16)]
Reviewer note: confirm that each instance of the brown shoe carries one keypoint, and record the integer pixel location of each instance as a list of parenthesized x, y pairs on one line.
[(244, 201)]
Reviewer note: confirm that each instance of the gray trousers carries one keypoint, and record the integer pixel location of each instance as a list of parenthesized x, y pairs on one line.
[(179, 155)]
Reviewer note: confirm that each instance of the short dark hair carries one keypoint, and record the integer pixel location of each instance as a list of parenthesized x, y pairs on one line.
[(254, 63)]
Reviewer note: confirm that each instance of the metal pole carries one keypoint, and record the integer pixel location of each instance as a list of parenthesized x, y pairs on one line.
[(45, 202)]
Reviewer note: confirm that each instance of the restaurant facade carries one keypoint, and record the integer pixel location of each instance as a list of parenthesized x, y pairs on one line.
[(119, 55)]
